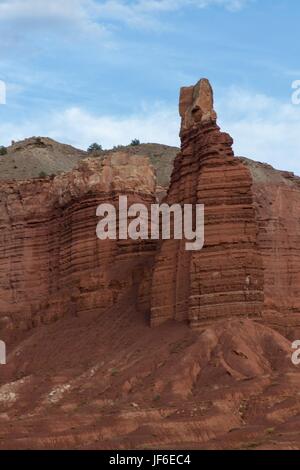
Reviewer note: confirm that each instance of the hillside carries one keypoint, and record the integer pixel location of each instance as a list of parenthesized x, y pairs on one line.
[(40, 156), (31, 157)]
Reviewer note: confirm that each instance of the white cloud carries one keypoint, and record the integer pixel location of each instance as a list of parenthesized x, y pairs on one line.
[(145, 13), (263, 128), (89, 15), (169, 5), (32, 15), (159, 125), (80, 128)]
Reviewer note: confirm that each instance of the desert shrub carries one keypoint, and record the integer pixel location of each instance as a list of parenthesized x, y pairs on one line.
[(135, 142), (3, 150), (94, 148), (42, 174)]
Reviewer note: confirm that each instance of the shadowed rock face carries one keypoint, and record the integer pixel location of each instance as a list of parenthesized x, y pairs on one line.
[(84, 370)]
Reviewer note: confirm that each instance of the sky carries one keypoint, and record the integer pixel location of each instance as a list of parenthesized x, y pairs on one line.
[(109, 71)]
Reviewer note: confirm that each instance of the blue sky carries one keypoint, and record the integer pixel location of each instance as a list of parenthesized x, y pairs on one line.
[(110, 70)]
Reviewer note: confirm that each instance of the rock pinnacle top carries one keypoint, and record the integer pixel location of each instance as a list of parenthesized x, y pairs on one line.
[(196, 105)]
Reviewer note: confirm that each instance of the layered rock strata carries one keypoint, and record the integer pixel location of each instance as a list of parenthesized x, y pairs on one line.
[(225, 278), (52, 263), (276, 196), (92, 374)]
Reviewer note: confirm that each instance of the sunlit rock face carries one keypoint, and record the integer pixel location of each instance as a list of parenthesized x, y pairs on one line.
[(196, 105)]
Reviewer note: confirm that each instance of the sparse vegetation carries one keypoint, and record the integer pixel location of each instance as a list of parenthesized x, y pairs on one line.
[(95, 148), (270, 430), (3, 150), (42, 174), (135, 142), (252, 445)]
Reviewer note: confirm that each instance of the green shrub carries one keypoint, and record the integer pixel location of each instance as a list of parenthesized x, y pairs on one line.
[(42, 174), (94, 148), (3, 150), (135, 142)]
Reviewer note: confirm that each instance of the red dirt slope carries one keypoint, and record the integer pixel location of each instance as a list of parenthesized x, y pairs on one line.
[(110, 381)]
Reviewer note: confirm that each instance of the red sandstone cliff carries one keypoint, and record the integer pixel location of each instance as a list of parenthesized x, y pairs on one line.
[(52, 263), (225, 278), (276, 198), (85, 370), (249, 266)]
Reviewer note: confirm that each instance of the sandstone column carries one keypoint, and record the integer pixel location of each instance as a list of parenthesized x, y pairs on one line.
[(225, 278)]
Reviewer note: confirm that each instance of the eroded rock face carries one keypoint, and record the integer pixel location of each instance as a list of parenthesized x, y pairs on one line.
[(196, 105), (225, 278), (52, 263), (89, 372), (276, 196), (249, 264)]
